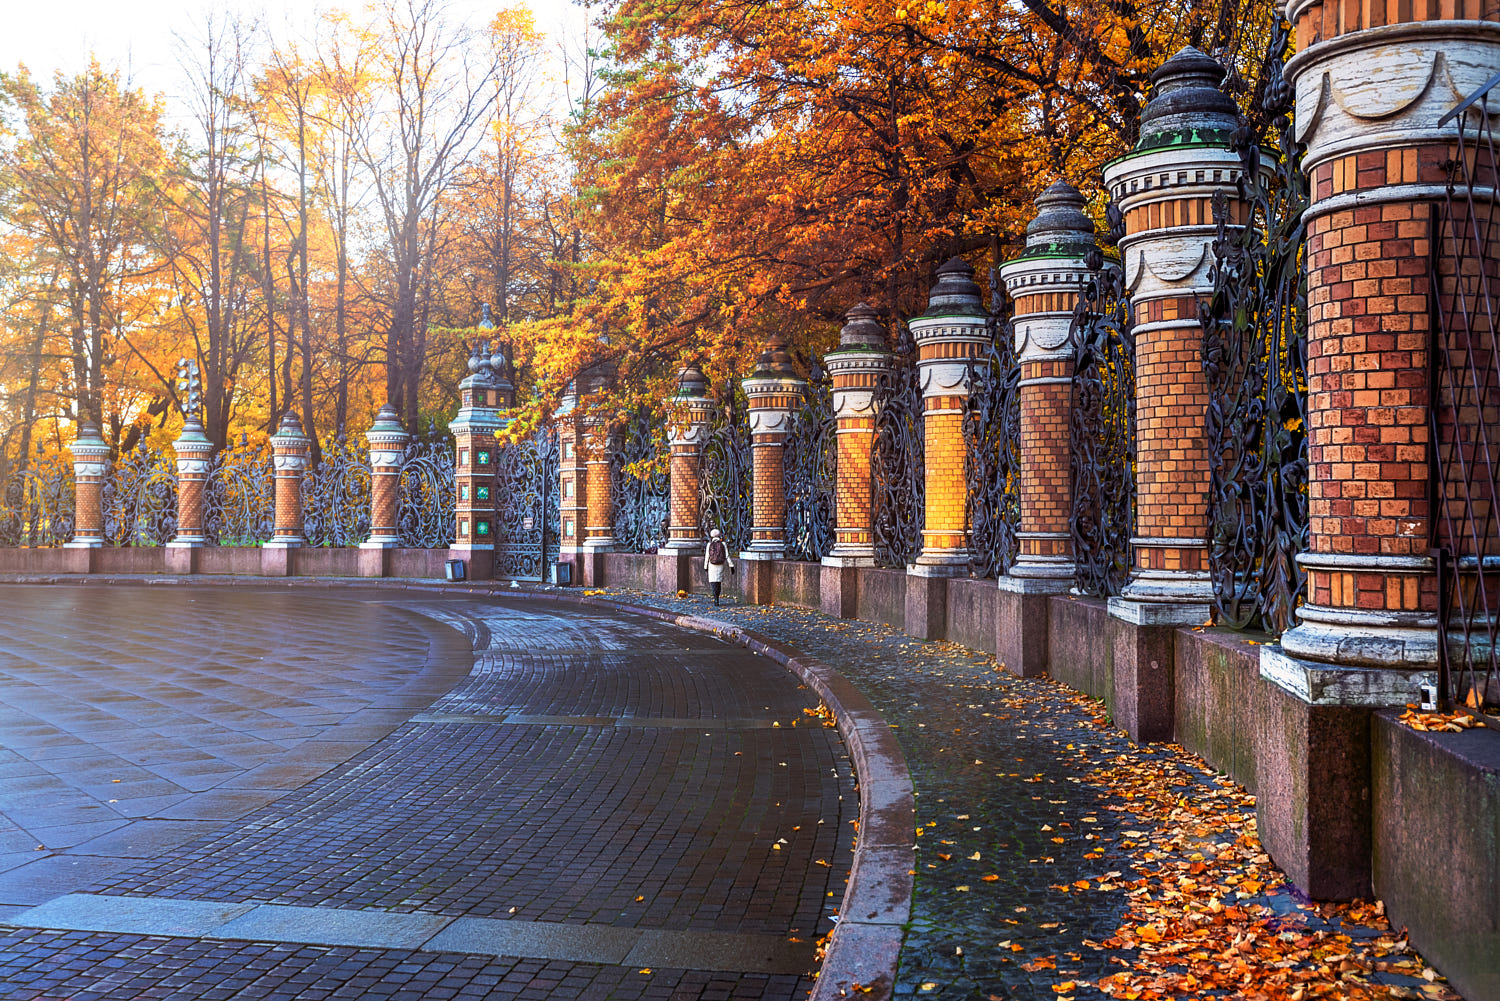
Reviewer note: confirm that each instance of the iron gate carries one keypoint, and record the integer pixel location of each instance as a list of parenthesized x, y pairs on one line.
[(528, 517)]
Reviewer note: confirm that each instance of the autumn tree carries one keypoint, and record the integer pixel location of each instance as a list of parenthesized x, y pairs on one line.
[(79, 186), (431, 99)]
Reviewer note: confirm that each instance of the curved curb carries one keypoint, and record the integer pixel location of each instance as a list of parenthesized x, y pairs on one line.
[(864, 948)]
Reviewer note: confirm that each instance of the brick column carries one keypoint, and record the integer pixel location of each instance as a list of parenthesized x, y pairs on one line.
[(1044, 283), (597, 439), (387, 440), (474, 431), (855, 367), (949, 335), (688, 412), (772, 392), (194, 458), (572, 472), (90, 465), (289, 455), (1372, 83), (1166, 188)]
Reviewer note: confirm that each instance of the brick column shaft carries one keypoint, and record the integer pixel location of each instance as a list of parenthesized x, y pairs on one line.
[(289, 454), (90, 465), (1372, 83), (772, 392), (598, 494), (194, 455), (1166, 188), (1044, 284), (949, 336), (855, 367), (387, 441), (573, 487), (688, 414)]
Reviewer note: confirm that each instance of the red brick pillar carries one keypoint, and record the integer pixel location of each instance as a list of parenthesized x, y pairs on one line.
[(1370, 91), (1044, 283), (949, 336), (572, 480), (772, 392), (688, 413), (597, 438), (855, 367), (90, 466), (289, 454), (387, 440), (194, 459), (474, 432), (1166, 188), (1372, 83)]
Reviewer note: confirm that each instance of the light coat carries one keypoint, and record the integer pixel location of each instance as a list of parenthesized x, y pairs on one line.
[(716, 571)]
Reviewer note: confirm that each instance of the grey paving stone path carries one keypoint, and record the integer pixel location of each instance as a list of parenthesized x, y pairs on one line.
[(237, 792)]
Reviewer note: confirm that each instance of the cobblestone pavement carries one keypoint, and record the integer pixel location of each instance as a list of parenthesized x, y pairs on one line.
[(1012, 817), (627, 800)]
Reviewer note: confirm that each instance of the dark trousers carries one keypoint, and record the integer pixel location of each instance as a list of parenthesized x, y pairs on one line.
[(717, 587)]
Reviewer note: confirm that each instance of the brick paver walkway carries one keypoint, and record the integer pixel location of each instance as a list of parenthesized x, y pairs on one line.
[(319, 799)]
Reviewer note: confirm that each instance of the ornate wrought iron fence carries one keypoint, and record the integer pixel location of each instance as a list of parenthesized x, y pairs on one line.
[(427, 493), (239, 497), (724, 478), (1464, 460), (992, 452), (810, 470), (528, 528), (899, 488), (1254, 357), (36, 503), (139, 499), (641, 481), (1102, 439), (336, 496)]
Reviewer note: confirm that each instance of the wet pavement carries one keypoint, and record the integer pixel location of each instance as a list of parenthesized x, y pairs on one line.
[(1044, 832), (261, 793)]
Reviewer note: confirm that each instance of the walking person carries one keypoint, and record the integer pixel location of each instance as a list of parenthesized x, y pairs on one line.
[(715, 559)]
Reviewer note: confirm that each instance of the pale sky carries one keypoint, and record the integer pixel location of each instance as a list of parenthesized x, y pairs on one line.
[(136, 35)]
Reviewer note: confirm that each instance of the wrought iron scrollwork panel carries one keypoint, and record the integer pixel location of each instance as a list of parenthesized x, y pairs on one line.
[(992, 449), (427, 493), (810, 471), (1254, 358), (37, 503), (899, 487), (139, 499), (641, 481), (528, 514), (724, 479), (336, 496), (1102, 439), (239, 497)]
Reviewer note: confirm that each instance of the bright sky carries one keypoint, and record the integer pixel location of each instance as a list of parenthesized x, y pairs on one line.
[(51, 35)]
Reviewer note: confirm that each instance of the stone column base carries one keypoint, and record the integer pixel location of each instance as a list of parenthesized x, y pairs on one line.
[(374, 560), (1313, 801), (1021, 625), (588, 566), (926, 606), (674, 570), (79, 557), (1142, 636), (758, 576), (479, 564), (180, 558), (838, 588), (276, 559)]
